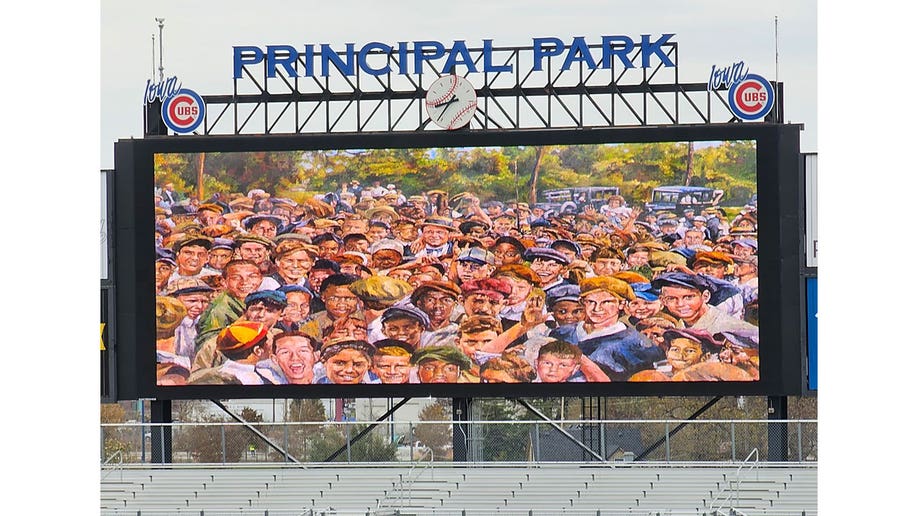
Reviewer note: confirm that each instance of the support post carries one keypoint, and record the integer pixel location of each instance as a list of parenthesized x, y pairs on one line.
[(161, 431), (461, 429), (777, 430)]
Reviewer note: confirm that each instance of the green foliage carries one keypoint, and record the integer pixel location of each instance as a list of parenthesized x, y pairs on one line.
[(369, 448), (490, 172)]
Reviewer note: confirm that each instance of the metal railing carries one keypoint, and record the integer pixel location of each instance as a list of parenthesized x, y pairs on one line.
[(496, 441), (733, 486)]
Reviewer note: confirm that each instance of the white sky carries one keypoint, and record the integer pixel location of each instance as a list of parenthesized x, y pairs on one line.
[(198, 38), (73, 79)]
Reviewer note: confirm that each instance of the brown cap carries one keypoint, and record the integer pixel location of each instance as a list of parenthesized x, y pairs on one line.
[(447, 287), (618, 288)]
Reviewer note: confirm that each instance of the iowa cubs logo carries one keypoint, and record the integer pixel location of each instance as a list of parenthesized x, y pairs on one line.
[(183, 112), (751, 98)]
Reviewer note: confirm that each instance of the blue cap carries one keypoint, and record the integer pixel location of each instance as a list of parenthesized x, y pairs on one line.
[(266, 296), (406, 311), (682, 279), (540, 222), (563, 292), (165, 255), (645, 291)]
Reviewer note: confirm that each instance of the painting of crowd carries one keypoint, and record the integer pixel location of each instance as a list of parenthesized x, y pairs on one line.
[(367, 285)]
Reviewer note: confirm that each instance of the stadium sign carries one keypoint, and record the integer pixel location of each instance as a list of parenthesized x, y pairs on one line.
[(410, 57), (182, 109), (750, 96)]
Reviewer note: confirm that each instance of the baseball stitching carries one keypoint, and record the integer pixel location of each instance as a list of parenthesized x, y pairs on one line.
[(471, 106), (447, 95)]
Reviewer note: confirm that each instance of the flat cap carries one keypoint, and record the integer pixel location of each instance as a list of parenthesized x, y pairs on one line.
[(272, 297), (200, 240), (476, 255), (409, 311), (389, 244), (241, 335), (449, 354), (700, 336), (184, 286), (545, 253), (380, 289), (683, 280), (446, 287), (497, 286), (618, 288), (258, 239)]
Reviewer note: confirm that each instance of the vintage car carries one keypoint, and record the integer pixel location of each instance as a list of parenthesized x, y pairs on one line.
[(678, 198), (576, 197)]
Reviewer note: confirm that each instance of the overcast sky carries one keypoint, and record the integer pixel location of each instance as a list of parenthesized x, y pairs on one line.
[(91, 61), (198, 38)]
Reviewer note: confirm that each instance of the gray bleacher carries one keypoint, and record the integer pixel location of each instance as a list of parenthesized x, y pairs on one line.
[(470, 489)]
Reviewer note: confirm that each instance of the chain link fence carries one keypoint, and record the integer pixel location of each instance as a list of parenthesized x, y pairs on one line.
[(472, 441)]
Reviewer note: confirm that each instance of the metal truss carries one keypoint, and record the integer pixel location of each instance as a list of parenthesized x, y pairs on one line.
[(522, 98)]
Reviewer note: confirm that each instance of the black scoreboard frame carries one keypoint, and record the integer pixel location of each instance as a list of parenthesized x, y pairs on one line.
[(780, 234)]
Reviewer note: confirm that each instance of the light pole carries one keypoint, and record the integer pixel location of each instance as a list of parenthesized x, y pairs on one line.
[(160, 22)]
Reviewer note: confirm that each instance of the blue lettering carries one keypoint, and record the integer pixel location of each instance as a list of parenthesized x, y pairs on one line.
[(420, 55), (283, 55), (308, 57), (403, 57), (327, 55), (459, 50), (579, 51), (539, 50), (488, 51), (244, 56), (609, 50), (367, 49), (161, 90), (727, 76), (648, 49)]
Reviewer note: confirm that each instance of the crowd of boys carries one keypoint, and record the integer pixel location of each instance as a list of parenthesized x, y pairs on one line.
[(366, 285)]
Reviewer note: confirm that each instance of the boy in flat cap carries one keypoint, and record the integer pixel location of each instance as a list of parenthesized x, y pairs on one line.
[(293, 261), (406, 323), (435, 238), (439, 300), (262, 306), (256, 249), (191, 256), (486, 296), (348, 362), (688, 296), (618, 349), (195, 295), (473, 263), (549, 264), (241, 278), (243, 344), (442, 364), (522, 282)]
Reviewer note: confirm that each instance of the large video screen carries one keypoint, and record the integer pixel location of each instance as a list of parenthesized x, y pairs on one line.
[(382, 270)]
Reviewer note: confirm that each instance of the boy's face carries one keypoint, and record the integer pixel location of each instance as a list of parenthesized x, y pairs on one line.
[(554, 369)]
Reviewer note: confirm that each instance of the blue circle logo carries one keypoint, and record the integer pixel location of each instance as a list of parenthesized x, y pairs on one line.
[(751, 98), (184, 111)]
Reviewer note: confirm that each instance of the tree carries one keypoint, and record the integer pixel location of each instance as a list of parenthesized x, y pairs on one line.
[(437, 437), (369, 448)]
